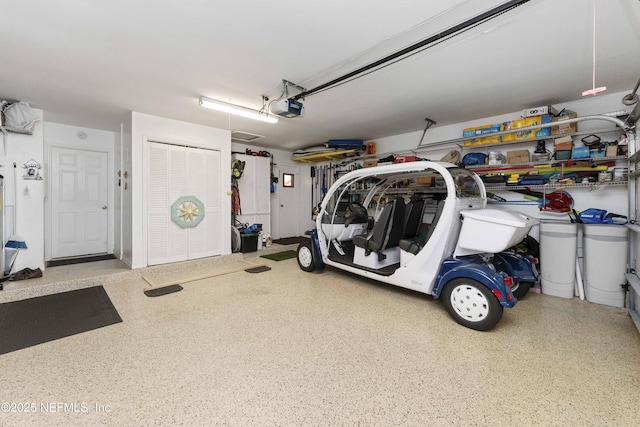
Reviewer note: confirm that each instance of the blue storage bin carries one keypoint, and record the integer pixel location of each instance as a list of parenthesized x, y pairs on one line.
[(580, 153)]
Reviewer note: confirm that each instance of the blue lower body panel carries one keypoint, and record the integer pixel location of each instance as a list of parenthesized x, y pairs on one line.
[(475, 268)]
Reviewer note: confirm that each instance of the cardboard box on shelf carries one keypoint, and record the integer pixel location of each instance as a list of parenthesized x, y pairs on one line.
[(369, 163), (518, 156), (481, 130), (612, 150), (527, 134), (508, 136), (405, 159), (426, 180), (564, 128), (563, 143)]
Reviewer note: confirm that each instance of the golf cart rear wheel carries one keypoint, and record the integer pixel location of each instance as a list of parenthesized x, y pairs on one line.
[(520, 289), (471, 304), (305, 256)]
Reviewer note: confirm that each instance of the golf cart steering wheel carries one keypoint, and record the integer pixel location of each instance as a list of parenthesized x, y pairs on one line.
[(355, 213)]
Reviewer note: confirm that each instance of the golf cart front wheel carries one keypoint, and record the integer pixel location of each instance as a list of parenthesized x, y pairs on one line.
[(471, 304), (305, 256)]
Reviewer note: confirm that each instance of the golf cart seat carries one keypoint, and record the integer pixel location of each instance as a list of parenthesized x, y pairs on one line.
[(385, 234), (413, 218), (415, 244)]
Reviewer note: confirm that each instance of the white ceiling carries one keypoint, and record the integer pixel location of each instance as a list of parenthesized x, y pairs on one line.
[(87, 63)]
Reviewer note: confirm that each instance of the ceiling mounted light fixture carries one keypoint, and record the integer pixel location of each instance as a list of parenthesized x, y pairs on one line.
[(238, 110)]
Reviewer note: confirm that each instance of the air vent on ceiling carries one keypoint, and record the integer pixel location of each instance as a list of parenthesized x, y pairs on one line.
[(241, 136)]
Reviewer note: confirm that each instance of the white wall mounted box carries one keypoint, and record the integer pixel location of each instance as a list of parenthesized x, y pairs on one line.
[(539, 111)]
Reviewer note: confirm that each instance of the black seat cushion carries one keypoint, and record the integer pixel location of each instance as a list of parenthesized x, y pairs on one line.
[(386, 231), (412, 245)]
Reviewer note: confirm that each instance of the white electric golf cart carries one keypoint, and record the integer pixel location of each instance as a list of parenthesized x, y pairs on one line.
[(424, 226)]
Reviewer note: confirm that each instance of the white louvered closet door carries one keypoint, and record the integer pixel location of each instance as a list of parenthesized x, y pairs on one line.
[(157, 214), (175, 172), (203, 179)]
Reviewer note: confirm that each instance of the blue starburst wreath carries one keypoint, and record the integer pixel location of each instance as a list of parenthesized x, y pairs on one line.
[(187, 211)]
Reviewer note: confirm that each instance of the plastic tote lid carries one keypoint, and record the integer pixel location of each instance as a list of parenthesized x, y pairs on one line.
[(499, 216)]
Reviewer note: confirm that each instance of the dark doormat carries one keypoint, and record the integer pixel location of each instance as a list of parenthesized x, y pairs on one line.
[(163, 290), (259, 269), (79, 260), (38, 320), (280, 256), (290, 240)]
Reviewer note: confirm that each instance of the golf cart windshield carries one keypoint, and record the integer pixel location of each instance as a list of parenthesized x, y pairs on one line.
[(466, 184), (428, 181)]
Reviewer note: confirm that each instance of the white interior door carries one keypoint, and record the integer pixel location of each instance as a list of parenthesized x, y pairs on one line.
[(166, 242), (255, 192), (288, 203), (203, 177), (79, 202)]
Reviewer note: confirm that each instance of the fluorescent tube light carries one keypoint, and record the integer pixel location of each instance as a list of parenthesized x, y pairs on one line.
[(225, 107)]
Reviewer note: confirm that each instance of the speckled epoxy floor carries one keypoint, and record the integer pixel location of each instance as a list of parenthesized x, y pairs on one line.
[(286, 347)]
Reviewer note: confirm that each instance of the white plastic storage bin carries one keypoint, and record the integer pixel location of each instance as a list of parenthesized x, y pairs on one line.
[(605, 263), (558, 251), (491, 231)]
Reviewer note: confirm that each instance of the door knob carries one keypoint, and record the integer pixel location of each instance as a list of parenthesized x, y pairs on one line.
[(282, 206), (104, 207)]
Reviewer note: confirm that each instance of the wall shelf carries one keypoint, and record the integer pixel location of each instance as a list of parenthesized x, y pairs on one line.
[(522, 141), (620, 125), (560, 163), (551, 188)]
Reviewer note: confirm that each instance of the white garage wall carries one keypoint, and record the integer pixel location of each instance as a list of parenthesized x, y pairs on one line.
[(29, 196)]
